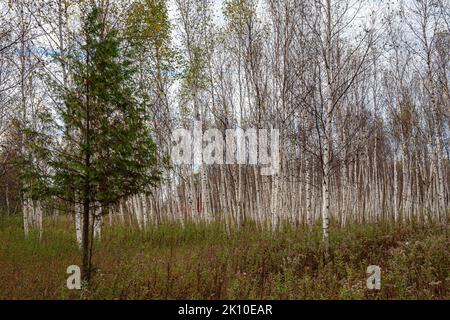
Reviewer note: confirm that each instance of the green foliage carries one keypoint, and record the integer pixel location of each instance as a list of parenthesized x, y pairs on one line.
[(148, 31), (100, 137), (148, 22), (239, 14), (198, 39)]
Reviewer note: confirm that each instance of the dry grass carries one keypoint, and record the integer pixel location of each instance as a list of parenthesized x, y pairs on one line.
[(204, 262)]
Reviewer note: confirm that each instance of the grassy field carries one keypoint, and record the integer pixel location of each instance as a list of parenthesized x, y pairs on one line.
[(204, 262)]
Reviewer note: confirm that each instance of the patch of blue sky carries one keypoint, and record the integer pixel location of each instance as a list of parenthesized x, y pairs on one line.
[(38, 51)]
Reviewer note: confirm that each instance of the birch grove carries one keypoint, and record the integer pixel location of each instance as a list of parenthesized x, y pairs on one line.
[(358, 92)]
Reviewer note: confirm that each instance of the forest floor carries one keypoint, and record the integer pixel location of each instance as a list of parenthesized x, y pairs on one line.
[(204, 262)]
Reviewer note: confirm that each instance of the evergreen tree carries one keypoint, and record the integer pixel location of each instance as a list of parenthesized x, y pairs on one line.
[(103, 150)]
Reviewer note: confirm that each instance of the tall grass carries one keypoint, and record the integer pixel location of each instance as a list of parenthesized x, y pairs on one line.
[(172, 261)]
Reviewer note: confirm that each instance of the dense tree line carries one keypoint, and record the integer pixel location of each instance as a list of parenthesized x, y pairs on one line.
[(359, 91)]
